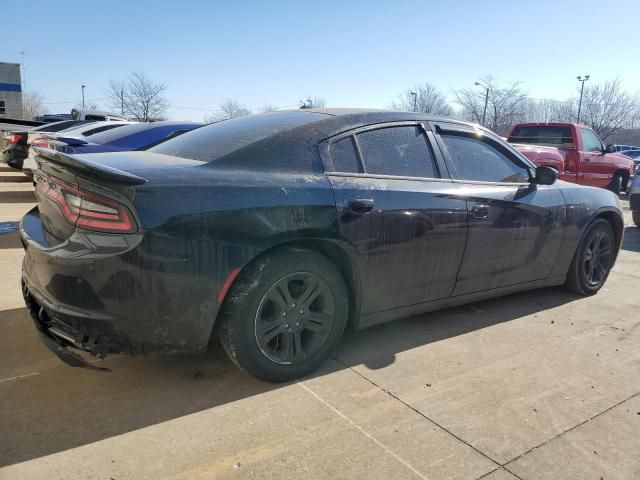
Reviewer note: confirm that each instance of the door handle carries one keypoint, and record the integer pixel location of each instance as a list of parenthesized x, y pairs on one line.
[(361, 205), (587, 159), (480, 211)]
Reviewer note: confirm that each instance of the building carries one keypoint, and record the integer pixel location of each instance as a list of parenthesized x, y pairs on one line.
[(10, 90)]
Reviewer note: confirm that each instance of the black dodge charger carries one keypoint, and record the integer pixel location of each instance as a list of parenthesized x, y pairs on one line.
[(275, 231)]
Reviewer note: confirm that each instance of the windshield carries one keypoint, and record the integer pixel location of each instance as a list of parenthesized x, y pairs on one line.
[(543, 135)]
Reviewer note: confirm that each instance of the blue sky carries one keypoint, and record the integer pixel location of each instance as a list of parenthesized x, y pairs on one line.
[(353, 53)]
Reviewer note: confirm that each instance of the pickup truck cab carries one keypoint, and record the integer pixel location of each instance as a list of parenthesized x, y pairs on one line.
[(575, 151)]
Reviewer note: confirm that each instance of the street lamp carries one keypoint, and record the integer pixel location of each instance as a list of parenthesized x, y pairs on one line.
[(581, 79), (486, 101), (83, 96)]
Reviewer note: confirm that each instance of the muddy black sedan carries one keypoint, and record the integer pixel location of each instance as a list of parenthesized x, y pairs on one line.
[(276, 231)]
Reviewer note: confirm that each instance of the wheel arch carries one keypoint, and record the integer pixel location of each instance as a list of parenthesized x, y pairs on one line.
[(617, 224), (327, 248)]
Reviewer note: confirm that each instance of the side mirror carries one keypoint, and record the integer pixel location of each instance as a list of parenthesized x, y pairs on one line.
[(546, 175), (610, 149)]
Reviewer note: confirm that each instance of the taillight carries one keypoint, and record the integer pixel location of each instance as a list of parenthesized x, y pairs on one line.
[(13, 138), (40, 142), (85, 210)]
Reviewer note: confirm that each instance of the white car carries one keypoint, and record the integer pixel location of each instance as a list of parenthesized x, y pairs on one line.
[(78, 131)]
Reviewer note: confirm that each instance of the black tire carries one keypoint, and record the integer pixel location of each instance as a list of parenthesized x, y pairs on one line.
[(616, 184), (635, 214), (286, 356), (588, 272)]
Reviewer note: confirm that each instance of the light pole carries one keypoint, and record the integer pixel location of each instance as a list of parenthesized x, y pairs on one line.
[(83, 96), (581, 79), (486, 101), (415, 101)]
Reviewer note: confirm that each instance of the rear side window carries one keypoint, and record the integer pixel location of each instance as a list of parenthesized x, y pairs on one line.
[(476, 159), (591, 141), (400, 151), (343, 156), (95, 117)]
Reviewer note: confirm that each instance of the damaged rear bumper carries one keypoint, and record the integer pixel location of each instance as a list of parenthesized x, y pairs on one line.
[(60, 337)]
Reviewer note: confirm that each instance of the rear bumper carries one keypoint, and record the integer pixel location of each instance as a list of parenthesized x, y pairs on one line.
[(106, 294), (52, 338), (13, 156)]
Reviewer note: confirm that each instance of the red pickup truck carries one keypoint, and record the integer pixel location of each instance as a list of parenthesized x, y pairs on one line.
[(575, 151)]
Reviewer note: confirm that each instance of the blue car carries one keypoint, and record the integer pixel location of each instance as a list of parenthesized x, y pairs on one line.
[(137, 136)]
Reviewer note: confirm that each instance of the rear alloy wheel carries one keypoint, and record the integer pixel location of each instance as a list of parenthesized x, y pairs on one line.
[(593, 259), (284, 315), (616, 184)]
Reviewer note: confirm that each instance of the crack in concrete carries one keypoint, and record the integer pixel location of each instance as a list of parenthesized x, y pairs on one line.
[(572, 428), (498, 464)]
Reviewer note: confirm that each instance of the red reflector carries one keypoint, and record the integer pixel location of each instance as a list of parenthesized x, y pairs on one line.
[(86, 210), (227, 284)]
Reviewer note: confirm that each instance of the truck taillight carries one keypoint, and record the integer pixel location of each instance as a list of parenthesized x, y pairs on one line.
[(14, 138), (85, 210)]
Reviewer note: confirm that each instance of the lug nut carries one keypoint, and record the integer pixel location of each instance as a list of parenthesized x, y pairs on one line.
[(301, 312), (284, 314)]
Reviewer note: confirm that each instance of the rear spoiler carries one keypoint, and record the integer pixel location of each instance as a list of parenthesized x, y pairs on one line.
[(87, 166)]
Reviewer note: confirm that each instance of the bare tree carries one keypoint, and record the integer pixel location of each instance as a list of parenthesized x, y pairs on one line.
[(32, 105), (607, 108), (269, 107), (315, 102), (230, 108), (138, 97), (505, 104), (428, 99)]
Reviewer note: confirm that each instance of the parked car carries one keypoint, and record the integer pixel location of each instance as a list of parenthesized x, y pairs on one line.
[(137, 136), (80, 131), (15, 146), (634, 200), (276, 230), (95, 115), (633, 155), (575, 151)]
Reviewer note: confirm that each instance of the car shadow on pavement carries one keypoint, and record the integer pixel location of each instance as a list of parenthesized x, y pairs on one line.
[(18, 196), (59, 407), (631, 240)]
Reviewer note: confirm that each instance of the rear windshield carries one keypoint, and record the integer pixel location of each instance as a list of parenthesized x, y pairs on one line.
[(103, 128), (222, 138), (58, 126), (110, 135), (543, 135)]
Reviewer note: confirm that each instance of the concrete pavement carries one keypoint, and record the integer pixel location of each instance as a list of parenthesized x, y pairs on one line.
[(535, 385)]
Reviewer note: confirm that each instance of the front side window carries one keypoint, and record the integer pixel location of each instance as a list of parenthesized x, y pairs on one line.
[(399, 151), (591, 141), (476, 159)]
